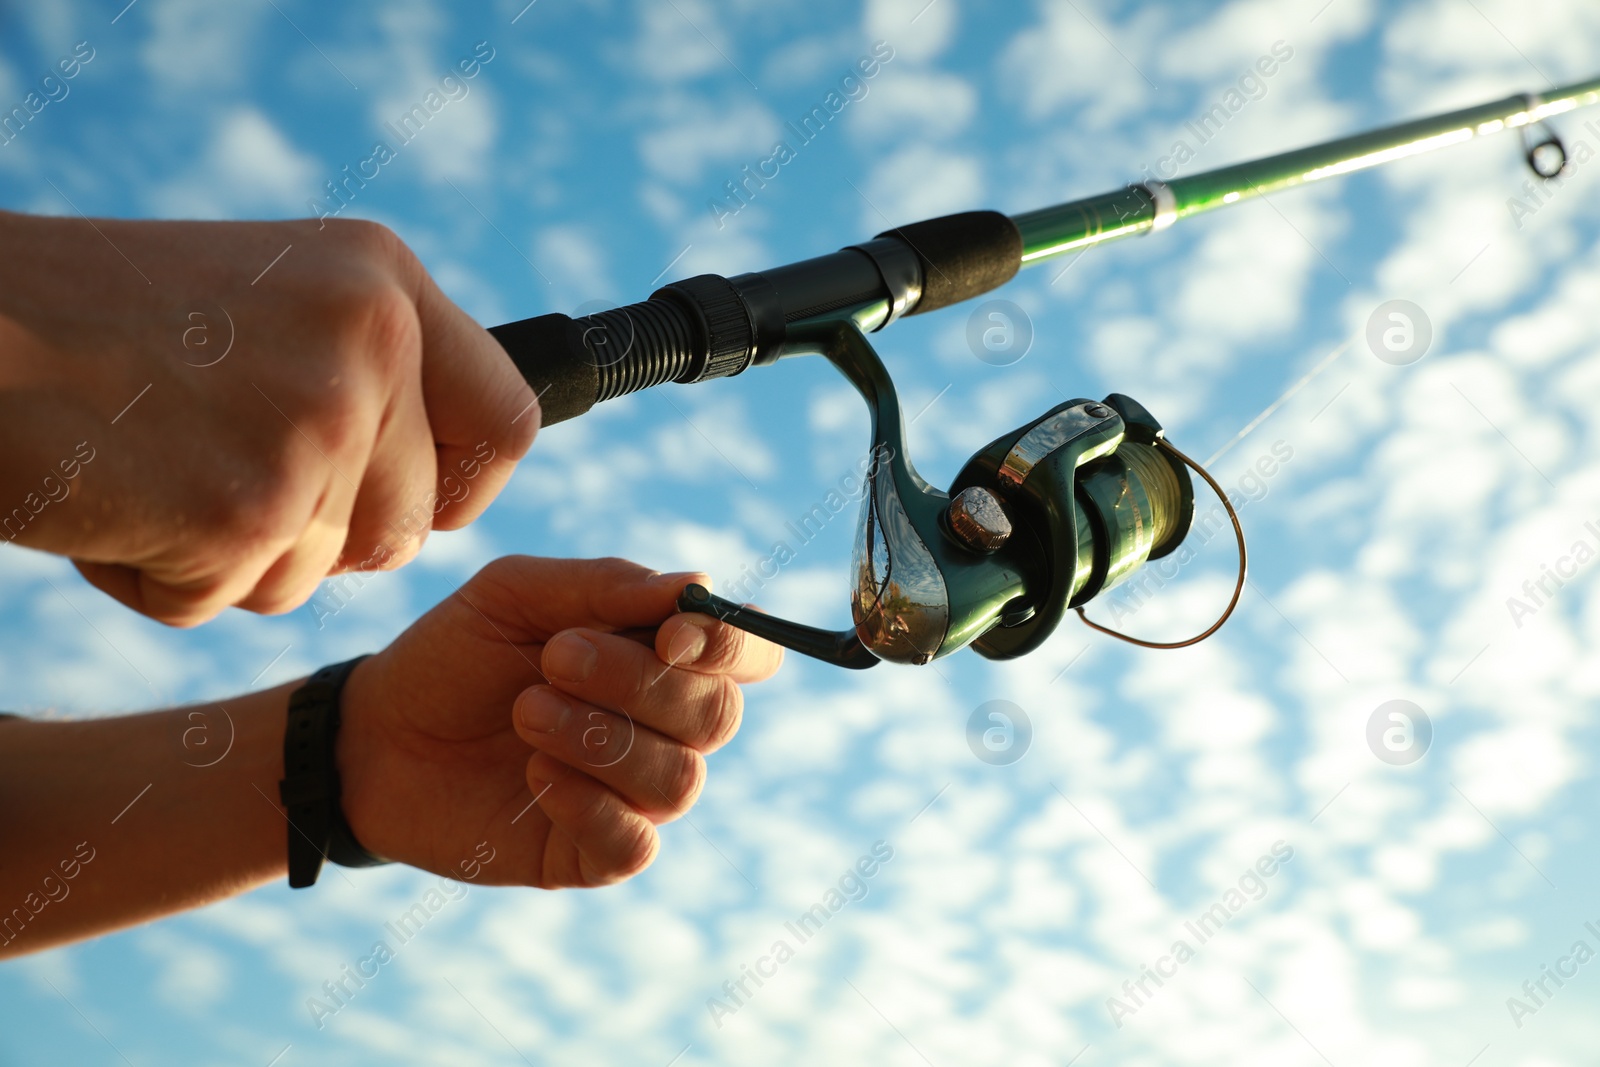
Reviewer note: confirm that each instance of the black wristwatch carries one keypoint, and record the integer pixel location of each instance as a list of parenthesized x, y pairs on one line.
[(310, 785)]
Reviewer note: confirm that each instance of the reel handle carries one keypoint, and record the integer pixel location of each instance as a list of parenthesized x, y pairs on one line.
[(841, 648)]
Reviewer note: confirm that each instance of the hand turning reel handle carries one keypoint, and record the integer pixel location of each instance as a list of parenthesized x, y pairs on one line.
[(1042, 519)]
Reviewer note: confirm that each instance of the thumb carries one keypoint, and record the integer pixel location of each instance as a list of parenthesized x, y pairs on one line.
[(483, 414), (545, 596)]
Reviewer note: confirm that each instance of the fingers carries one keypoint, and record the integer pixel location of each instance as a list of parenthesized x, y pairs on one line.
[(620, 735), (293, 577), (173, 603), (483, 414), (601, 838), (701, 709), (273, 576), (656, 775), (395, 508), (701, 643), (551, 595)]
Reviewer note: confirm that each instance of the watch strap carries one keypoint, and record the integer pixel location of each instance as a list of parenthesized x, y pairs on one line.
[(310, 789)]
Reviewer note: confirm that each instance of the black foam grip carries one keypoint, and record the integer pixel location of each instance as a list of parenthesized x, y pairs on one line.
[(962, 255), (548, 350), (574, 363)]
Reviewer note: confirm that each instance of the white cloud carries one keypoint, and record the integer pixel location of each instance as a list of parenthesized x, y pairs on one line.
[(694, 134), (680, 41), (53, 25), (471, 291), (807, 61), (916, 29), (1441, 54), (1078, 61), (920, 182), (576, 263), (458, 141), (913, 103), (194, 44), (1233, 36), (249, 166), (1247, 279), (194, 975)]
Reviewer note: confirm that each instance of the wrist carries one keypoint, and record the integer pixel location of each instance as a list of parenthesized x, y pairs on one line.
[(357, 753)]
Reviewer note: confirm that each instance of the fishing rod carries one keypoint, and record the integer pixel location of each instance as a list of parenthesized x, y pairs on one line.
[(1042, 519)]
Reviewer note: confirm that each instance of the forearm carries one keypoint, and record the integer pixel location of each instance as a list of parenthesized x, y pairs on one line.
[(109, 822)]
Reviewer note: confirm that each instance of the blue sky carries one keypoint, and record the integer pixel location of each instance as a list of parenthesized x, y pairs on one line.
[(581, 165)]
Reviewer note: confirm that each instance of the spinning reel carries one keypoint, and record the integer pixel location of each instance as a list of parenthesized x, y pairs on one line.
[(1040, 520)]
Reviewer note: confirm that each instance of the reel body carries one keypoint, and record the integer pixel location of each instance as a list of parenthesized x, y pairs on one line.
[(1039, 521)]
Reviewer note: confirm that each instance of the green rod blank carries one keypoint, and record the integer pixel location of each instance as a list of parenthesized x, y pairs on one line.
[(1066, 228)]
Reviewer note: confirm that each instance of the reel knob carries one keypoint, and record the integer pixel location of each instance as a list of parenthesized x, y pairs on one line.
[(978, 520)]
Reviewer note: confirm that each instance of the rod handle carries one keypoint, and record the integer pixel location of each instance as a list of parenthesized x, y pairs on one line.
[(688, 331)]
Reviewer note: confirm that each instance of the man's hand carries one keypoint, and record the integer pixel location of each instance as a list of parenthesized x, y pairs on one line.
[(587, 662), (452, 737), (209, 414)]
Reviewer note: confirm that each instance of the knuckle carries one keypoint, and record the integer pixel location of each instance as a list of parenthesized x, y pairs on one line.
[(375, 332), (338, 434), (593, 820), (722, 712), (501, 572), (377, 336), (372, 240), (686, 776), (501, 589), (391, 556), (535, 784), (279, 596), (258, 520), (636, 849), (326, 418), (368, 552), (279, 603), (187, 619), (392, 327), (181, 609), (607, 574), (640, 692), (616, 567), (725, 647), (367, 294), (392, 533), (233, 517), (613, 847)]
